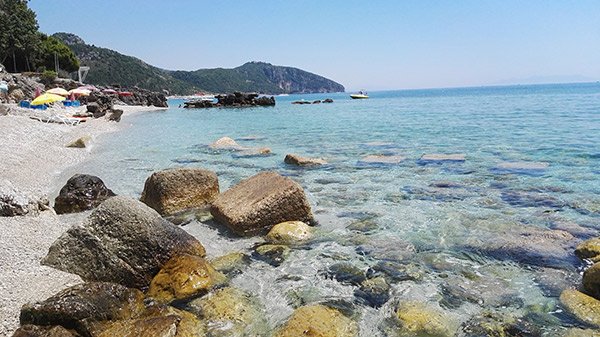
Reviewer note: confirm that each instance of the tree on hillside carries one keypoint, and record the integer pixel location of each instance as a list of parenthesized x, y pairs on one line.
[(51, 48), (19, 37)]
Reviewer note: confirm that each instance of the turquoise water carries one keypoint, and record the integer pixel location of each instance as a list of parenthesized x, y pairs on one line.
[(445, 222)]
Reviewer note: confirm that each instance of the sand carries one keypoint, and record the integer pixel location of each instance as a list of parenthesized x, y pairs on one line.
[(34, 158)]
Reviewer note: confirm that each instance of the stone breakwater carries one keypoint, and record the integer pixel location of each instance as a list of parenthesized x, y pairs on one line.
[(182, 291)]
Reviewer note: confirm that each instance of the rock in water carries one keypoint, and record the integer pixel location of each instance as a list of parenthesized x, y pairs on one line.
[(274, 255), (174, 190), (122, 241), (591, 280), (293, 159), (226, 143), (289, 232), (318, 320), (260, 202), (417, 319), (78, 305), (14, 202), (80, 193), (231, 312), (582, 306), (588, 249), (183, 277)]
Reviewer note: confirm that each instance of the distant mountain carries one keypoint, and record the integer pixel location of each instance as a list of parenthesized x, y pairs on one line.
[(108, 67)]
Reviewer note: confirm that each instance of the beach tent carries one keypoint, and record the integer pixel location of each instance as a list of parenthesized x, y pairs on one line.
[(58, 91), (80, 92), (47, 98)]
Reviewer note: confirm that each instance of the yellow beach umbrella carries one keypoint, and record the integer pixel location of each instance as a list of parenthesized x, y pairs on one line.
[(58, 91), (47, 98), (80, 92)]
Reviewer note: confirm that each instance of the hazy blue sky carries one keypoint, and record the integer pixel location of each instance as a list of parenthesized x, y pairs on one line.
[(361, 44)]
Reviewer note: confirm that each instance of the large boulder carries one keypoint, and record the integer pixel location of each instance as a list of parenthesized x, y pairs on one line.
[(318, 320), (122, 241), (79, 305), (80, 193), (14, 202), (257, 204), (183, 277), (174, 190), (582, 306), (231, 312)]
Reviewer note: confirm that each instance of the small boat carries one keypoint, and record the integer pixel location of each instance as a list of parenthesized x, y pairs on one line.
[(361, 95)]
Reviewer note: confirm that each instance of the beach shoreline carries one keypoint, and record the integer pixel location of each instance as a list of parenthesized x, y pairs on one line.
[(34, 160)]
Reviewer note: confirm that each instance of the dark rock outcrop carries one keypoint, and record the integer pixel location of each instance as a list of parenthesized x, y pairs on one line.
[(260, 202), (237, 99), (174, 190), (114, 115), (122, 241), (80, 193)]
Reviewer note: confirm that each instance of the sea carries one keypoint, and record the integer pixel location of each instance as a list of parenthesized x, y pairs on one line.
[(488, 239)]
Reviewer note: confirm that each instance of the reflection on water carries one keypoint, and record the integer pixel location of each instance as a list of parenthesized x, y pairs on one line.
[(483, 239)]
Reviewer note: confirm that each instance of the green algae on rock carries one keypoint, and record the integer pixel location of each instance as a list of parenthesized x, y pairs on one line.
[(318, 321), (289, 232), (419, 320), (582, 306)]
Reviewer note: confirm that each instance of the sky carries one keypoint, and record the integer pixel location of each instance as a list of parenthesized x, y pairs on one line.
[(373, 45)]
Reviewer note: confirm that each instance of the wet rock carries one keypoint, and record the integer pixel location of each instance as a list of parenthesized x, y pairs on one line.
[(318, 320), (183, 277), (585, 308), (418, 319), (495, 325), (552, 281), (175, 190), (530, 199), (591, 280), (374, 292), (163, 322), (43, 331), (226, 143), (364, 225), (574, 229), (588, 249), (346, 273), (78, 305), (293, 159), (81, 142), (384, 248), (272, 254), (328, 100), (436, 194), (395, 271), (14, 202), (301, 102), (258, 203), (289, 232), (114, 115), (231, 264), (230, 312), (317, 102), (529, 245), (575, 332), (80, 193), (440, 158), (122, 241), (376, 160), (454, 295)]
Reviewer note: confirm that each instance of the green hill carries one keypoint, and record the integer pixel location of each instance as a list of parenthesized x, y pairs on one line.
[(108, 67)]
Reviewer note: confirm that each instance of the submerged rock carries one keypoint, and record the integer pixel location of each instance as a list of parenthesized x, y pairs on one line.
[(14, 202), (253, 152), (175, 190), (226, 143), (395, 271), (374, 160), (318, 320), (258, 203), (289, 232), (374, 292), (583, 307), (80, 193), (531, 199), (75, 307), (522, 167), (439, 158), (183, 277), (122, 241), (232, 263), (346, 273), (418, 319), (293, 159), (272, 254), (496, 325), (230, 312)]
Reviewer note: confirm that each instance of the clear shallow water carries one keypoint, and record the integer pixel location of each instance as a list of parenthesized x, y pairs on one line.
[(442, 221)]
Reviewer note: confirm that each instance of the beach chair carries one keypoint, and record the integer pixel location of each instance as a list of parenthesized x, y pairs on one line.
[(53, 116)]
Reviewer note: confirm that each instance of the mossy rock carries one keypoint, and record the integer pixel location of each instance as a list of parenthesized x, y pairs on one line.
[(416, 319), (290, 232), (588, 249), (591, 280), (232, 263), (318, 321), (582, 306), (582, 333), (230, 312), (183, 277), (272, 254)]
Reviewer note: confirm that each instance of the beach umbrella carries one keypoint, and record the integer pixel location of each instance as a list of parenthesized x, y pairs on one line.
[(125, 93), (80, 92), (89, 87), (58, 91), (109, 91), (47, 98)]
